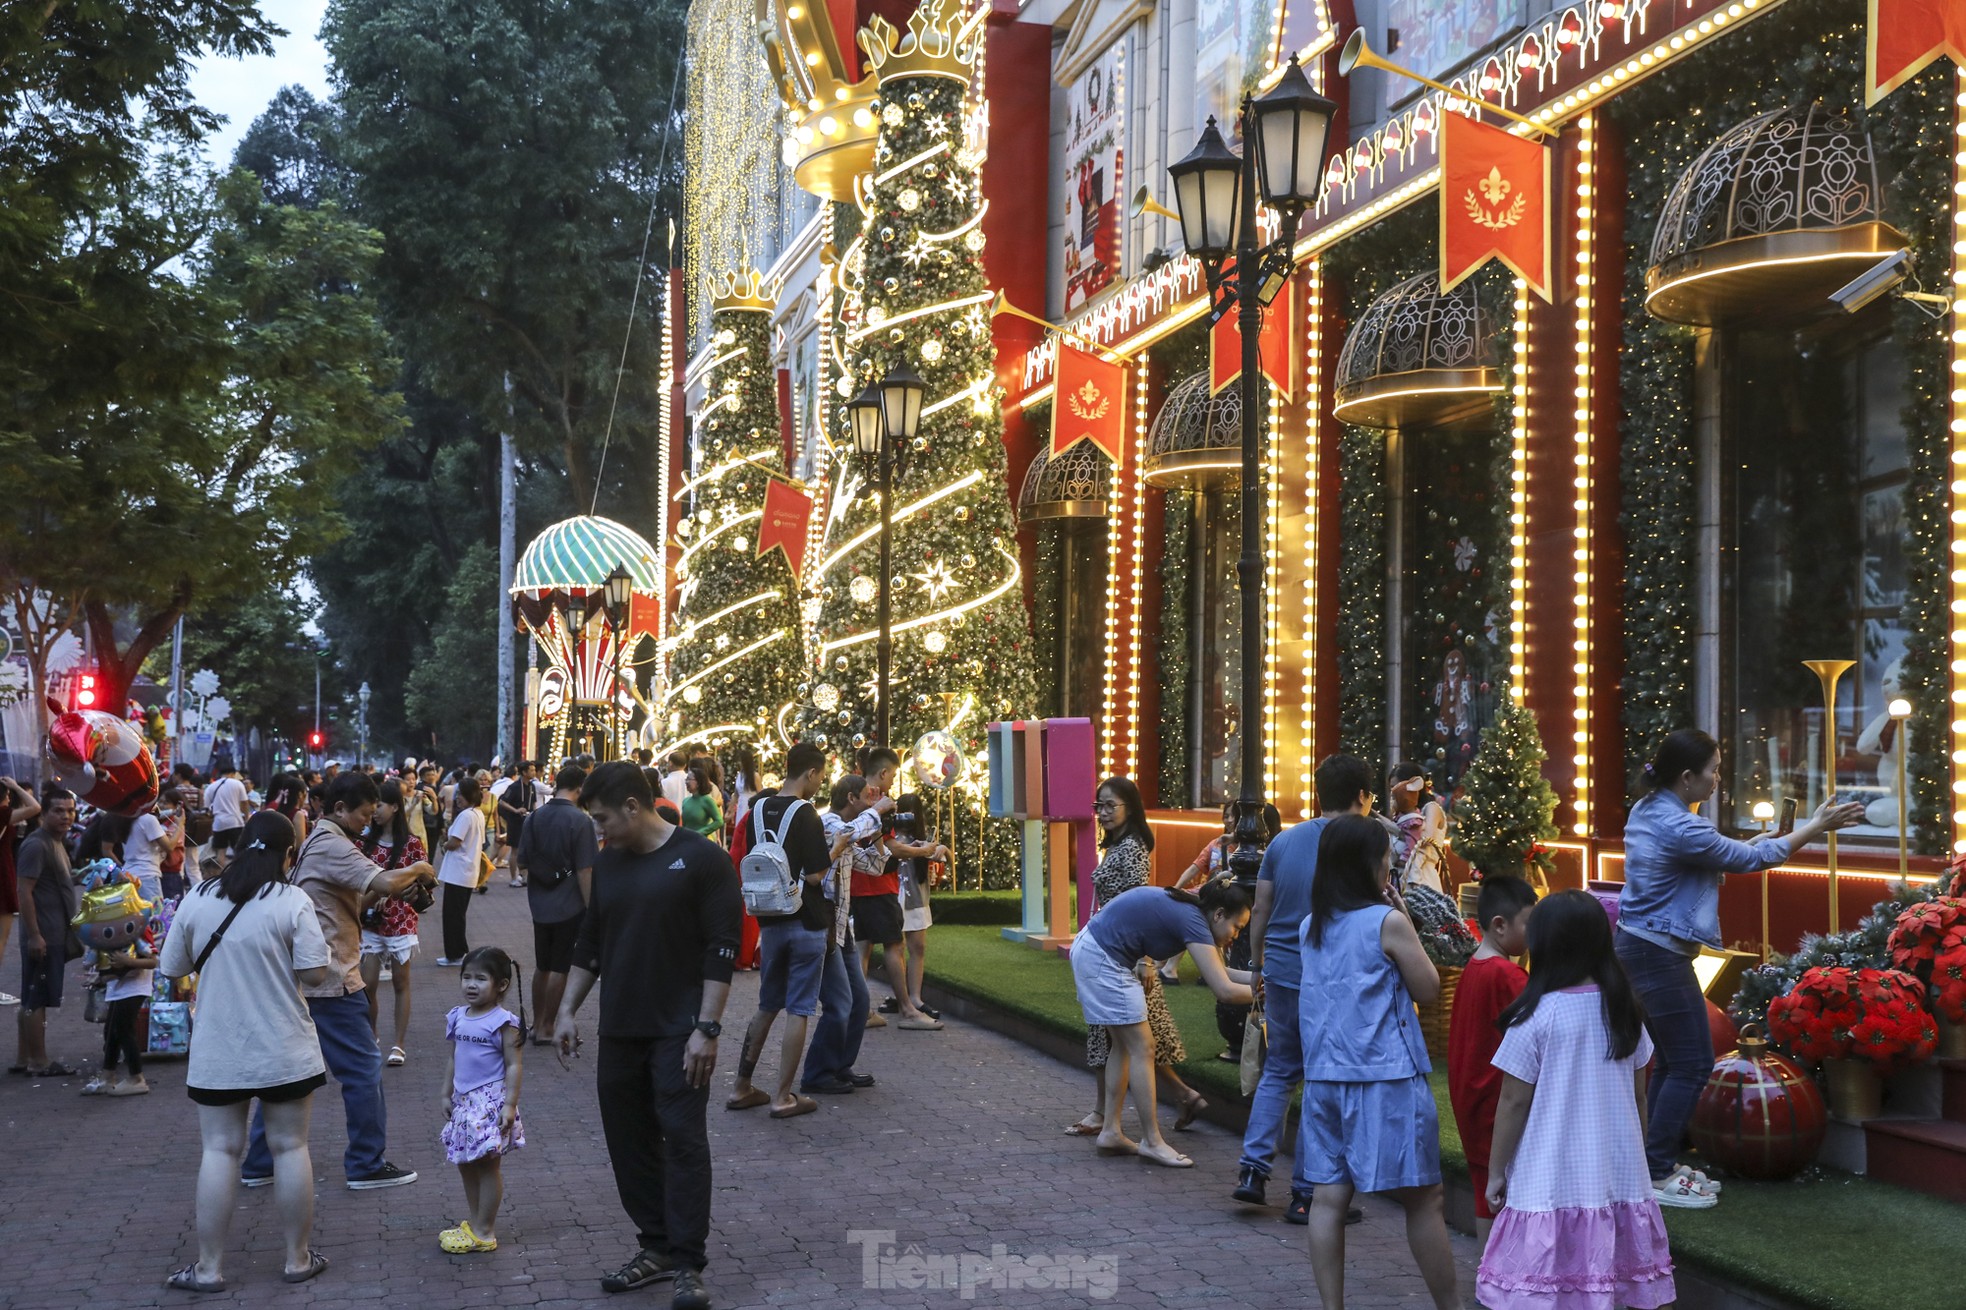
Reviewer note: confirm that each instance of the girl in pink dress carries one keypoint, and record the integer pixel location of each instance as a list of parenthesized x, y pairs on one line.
[(1577, 1227), (481, 1105)]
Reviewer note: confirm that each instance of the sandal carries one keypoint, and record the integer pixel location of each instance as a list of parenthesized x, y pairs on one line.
[(317, 1264), (461, 1240), (1085, 1130), (647, 1267), (800, 1105), (55, 1069), (1193, 1106), (187, 1280), (751, 1100), (396, 1056), (1172, 1160)]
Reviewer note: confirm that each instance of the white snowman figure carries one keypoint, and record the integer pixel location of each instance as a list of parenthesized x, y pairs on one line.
[(1880, 738)]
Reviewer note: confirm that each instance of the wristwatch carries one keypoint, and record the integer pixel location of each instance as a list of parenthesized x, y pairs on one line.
[(710, 1028)]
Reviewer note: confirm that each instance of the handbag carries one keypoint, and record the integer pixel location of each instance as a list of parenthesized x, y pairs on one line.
[(197, 825), (1255, 1036)]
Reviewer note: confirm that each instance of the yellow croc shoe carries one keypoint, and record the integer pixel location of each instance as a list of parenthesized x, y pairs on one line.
[(462, 1241)]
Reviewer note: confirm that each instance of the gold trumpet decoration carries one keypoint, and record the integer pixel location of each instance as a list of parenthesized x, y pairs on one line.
[(1357, 54), (1827, 672), (1144, 203)]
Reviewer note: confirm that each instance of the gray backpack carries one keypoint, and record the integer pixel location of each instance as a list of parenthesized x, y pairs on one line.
[(771, 889)]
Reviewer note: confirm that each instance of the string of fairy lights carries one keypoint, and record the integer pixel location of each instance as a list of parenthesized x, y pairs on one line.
[(1581, 480), (1956, 361)]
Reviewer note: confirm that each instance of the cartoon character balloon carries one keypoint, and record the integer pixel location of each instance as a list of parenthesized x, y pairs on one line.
[(938, 760), (111, 917), (103, 760)]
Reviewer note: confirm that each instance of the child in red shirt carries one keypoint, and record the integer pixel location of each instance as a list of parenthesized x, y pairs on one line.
[(1491, 980)]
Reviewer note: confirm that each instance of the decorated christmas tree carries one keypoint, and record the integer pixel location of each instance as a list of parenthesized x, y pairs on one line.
[(916, 294), (735, 661), (1503, 816)]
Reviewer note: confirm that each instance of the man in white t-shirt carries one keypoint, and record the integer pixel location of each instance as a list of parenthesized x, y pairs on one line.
[(226, 798), (675, 783)]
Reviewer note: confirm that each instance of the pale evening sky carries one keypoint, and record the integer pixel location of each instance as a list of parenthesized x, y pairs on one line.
[(240, 88)]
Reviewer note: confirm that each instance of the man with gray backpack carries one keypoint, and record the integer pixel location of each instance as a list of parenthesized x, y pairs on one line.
[(780, 875)]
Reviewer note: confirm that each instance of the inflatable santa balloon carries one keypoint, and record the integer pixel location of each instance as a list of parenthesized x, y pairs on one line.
[(103, 760)]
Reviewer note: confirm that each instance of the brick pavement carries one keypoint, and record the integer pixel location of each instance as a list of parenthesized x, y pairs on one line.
[(959, 1153)]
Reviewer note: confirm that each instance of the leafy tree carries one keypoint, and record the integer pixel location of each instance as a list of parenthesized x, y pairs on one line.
[(508, 151), (294, 148), (237, 365), (449, 697), (257, 643)]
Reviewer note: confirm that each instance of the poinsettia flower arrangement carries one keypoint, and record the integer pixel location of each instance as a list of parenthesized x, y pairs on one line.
[(1841, 1013), (1929, 941)]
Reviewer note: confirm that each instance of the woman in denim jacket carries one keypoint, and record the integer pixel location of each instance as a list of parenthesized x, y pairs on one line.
[(1669, 909)]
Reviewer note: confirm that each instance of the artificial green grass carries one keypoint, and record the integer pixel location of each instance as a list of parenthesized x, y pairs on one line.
[(1831, 1241)]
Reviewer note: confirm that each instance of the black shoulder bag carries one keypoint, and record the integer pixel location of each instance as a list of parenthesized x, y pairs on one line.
[(212, 943)]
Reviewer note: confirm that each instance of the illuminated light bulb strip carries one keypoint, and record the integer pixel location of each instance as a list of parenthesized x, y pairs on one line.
[(980, 298), (939, 148), (1313, 377), (1109, 695), (721, 469), (942, 493), (697, 625), (712, 406), (940, 616), (1957, 360), (663, 419), (1392, 200), (1272, 575), (716, 532), (1519, 503), (779, 722), (962, 711), (1132, 761), (709, 669), (821, 520), (1581, 480)]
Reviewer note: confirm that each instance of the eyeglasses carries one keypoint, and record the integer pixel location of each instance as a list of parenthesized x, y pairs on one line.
[(1105, 807)]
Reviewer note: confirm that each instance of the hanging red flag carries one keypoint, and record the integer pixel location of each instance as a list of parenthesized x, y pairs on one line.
[(1903, 36), (788, 513), (1494, 203), (1273, 346), (1089, 402)]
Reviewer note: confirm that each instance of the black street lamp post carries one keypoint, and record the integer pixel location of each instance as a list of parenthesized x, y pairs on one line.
[(1214, 189), (888, 413)]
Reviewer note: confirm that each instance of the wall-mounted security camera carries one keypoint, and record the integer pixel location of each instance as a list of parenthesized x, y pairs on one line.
[(1882, 279)]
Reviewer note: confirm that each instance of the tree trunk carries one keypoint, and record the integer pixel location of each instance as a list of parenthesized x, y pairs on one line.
[(116, 670)]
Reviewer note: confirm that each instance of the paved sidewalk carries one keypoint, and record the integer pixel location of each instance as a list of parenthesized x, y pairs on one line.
[(959, 1154)]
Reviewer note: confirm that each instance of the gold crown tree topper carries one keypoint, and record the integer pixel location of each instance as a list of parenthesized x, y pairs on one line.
[(943, 40), (828, 101), (746, 290)]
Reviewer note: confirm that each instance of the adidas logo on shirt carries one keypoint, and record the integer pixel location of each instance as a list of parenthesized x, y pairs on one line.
[(677, 865)]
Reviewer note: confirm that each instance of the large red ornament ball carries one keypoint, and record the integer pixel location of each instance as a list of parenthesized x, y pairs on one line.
[(103, 760), (1759, 1115)]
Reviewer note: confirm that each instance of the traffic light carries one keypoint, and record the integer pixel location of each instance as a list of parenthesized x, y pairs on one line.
[(315, 741), (85, 691)]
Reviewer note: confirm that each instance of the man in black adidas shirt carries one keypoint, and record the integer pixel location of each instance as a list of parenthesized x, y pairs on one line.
[(791, 948), (662, 925)]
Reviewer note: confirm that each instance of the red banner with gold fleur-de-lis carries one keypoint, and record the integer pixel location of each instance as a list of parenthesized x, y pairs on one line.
[(1089, 402), (1494, 203), (1906, 35)]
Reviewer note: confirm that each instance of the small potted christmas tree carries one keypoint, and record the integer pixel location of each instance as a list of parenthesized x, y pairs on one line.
[(1503, 816)]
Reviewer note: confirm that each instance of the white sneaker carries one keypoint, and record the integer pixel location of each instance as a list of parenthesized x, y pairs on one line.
[(8, 998), (1700, 1180), (1680, 1193)]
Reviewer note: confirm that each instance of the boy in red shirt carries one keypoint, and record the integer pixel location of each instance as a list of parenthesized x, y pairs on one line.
[(1491, 980)]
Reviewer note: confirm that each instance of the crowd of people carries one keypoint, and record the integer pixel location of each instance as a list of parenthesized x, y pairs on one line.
[(289, 906)]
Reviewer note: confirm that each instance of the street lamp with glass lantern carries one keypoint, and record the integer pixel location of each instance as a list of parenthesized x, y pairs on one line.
[(362, 700), (616, 591), (1287, 129), (887, 415)]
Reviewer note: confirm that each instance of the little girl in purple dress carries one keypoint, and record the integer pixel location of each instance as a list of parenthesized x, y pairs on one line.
[(481, 1106)]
